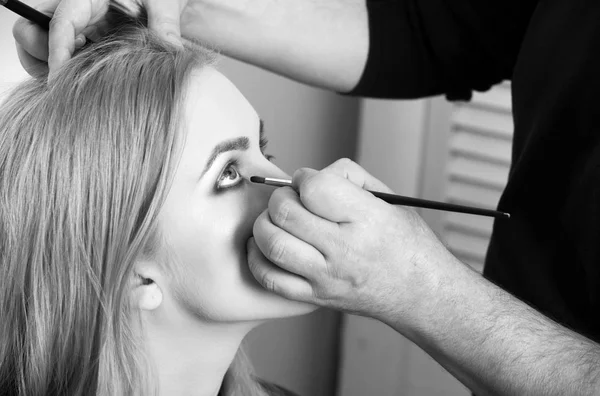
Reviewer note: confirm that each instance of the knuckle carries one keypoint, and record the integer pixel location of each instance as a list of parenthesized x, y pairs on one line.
[(302, 174), (351, 171), (268, 282), (166, 21), (56, 21), (323, 291), (276, 249), (279, 210), (253, 261), (345, 163), (18, 30), (301, 171), (311, 186), (262, 276), (342, 167), (320, 183), (256, 227)]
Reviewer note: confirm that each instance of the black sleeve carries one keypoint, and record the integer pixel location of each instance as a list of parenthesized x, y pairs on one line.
[(427, 47)]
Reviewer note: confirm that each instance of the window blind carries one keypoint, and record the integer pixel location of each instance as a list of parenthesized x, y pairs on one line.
[(476, 172)]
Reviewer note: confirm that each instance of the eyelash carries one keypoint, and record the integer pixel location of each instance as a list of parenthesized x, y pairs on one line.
[(234, 165), (263, 144)]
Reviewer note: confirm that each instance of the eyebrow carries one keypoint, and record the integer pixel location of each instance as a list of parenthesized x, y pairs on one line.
[(241, 143)]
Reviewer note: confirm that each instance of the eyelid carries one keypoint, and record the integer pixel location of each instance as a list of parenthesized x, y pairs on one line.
[(263, 141)]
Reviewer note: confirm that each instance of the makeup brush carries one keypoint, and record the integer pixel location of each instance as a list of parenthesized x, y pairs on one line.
[(28, 13), (31, 14), (401, 200)]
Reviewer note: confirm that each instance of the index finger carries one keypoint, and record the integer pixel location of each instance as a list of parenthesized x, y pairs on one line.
[(333, 197), (164, 19)]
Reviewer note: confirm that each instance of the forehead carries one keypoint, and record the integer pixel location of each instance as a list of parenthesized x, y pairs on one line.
[(215, 110)]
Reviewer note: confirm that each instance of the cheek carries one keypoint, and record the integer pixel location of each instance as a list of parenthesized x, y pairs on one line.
[(213, 281), (209, 255)]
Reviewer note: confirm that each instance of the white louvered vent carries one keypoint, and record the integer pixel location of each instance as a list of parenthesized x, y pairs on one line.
[(479, 157)]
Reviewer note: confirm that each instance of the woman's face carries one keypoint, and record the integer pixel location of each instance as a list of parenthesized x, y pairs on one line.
[(211, 207)]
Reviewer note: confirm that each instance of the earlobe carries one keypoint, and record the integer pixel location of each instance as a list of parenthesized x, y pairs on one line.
[(149, 295), (152, 298)]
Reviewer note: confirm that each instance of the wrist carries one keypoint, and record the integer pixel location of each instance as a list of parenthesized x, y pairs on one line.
[(452, 306), (432, 302)]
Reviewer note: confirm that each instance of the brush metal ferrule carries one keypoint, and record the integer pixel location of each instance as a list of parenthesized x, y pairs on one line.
[(271, 181)]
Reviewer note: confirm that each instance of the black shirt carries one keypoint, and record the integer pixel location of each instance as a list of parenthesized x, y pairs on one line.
[(548, 253)]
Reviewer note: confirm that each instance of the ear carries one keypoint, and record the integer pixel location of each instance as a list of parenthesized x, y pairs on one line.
[(146, 292)]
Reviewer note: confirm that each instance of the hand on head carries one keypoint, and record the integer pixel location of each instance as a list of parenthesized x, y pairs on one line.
[(292, 38), (333, 244), (73, 21)]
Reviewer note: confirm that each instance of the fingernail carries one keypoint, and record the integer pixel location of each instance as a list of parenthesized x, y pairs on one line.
[(79, 41), (174, 39)]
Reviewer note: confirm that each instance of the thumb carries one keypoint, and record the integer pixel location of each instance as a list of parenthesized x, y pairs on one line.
[(350, 170), (164, 19)]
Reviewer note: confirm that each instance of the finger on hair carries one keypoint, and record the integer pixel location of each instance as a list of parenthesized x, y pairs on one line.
[(275, 279), (70, 19), (79, 41), (286, 251), (164, 19)]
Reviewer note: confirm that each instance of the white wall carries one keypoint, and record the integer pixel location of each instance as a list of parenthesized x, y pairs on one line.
[(305, 127)]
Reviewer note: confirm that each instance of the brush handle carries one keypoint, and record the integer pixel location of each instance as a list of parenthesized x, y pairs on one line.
[(31, 14), (426, 204), (28, 13), (402, 200)]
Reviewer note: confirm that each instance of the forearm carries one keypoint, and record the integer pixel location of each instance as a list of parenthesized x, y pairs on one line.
[(497, 345), (322, 43)]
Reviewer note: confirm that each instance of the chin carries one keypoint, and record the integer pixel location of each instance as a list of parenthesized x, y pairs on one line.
[(263, 304), (271, 306)]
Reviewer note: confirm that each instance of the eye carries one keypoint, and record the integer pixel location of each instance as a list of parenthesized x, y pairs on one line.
[(229, 177)]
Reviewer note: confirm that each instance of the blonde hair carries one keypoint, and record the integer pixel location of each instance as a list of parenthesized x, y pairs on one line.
[(86, 161)]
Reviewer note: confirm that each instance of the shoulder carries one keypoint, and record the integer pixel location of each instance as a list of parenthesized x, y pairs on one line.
[(274, 389)]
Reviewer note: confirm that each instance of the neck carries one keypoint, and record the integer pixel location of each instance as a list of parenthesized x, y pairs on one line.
[(193, 360)]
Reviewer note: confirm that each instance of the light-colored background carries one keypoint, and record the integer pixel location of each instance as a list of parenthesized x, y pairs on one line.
[(305, 127), (454, 152)]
